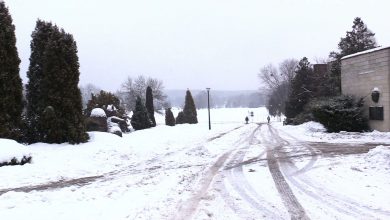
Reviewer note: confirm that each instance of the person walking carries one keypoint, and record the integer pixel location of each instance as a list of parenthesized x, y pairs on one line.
[(268, 118), (246, 120)]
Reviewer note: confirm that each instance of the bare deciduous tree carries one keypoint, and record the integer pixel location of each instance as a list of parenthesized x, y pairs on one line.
[(277, 82), (270, 76), (132, 88), (287, 69), (274, 77)]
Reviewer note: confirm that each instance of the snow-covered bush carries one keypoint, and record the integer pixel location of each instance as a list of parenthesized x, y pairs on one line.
[(106, 101), (13, 153), (340, 113), (97, 120), (98, 112), (113, 125)]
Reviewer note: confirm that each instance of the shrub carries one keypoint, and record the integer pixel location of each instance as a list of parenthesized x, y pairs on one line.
[(301, 118), (14, 161), (140, 119), (189, 114), (189, 110), (169, 118), (180, 118), (340, 113), (106, 101)]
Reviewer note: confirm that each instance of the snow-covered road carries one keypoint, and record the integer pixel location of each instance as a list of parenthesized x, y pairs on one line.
[(243, 188), (234, 171)]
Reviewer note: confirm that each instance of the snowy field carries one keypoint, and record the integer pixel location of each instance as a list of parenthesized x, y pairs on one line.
[(190, 172)]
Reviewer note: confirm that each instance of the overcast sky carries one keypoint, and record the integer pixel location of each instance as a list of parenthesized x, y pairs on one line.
[(195, 44)]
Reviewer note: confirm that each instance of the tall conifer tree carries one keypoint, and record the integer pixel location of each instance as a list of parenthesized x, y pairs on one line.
[(189, 110), (149, 105), (10, 83), (34, 94), (52, 90), (357, 40), (60, 87), (301, 89)]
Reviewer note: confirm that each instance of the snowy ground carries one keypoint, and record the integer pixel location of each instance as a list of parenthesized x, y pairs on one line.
[(234, 171)]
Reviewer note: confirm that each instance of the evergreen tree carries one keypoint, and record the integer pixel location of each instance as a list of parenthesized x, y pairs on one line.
[(302, 89), (339, 113), (53, 85), (169, 118), (60, 86), (149, 105), (11, 104), (104, 100), (34, 95), (140, 119), (180, 119), (189, 110), (52, 125), (357, 40)]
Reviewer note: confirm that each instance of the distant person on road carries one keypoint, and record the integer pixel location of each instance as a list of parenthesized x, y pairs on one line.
[(268, 118), (246, 120)]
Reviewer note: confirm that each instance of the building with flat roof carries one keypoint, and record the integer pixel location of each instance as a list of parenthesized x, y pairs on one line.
[(367, 74)]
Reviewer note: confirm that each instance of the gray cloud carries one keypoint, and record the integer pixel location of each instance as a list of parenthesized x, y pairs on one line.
[(195, 44)]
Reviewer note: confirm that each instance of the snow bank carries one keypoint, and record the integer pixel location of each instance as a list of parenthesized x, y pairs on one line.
[(312, 126), (308, 128), (378, 158), (98, 112), (103, 153), (313, 131), (10, 149)]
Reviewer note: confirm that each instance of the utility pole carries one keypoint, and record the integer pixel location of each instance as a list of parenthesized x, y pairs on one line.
[(208, 106)]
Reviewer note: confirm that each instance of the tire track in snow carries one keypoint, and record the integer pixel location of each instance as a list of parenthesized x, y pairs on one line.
[(187, 209), (239, 183), (338, 202), (149, 164), (290, 201), (282, 143), (230, 201), (54, 185), (305, 189)]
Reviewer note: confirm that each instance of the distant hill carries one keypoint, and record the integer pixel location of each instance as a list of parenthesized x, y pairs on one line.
[(219, 98)]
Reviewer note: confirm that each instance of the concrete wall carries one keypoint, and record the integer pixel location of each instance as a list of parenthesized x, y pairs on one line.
[(363, 72)]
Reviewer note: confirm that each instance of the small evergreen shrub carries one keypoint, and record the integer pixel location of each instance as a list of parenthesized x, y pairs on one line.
[(189, 110), (140, 119), (339, 113), (14, 161), (169, 118), (189, 114), (180, 119)]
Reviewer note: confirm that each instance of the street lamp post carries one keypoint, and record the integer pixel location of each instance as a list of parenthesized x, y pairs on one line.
[(208, 106)]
